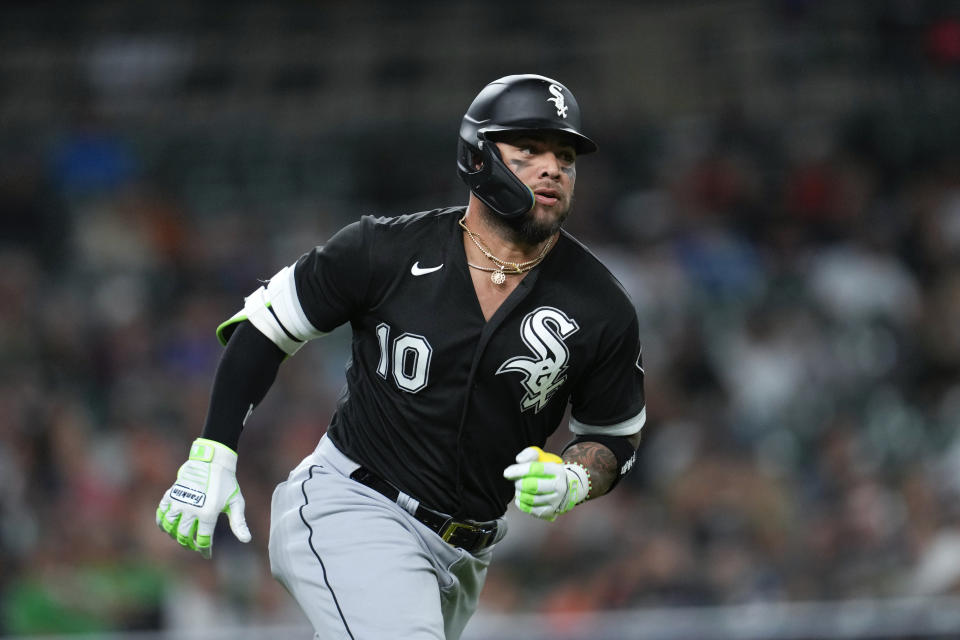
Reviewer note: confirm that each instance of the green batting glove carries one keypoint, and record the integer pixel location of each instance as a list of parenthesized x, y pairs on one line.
[(546, 486), (206, 486)]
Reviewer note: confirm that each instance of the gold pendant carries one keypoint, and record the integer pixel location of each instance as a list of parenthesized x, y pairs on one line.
[(498, 277)]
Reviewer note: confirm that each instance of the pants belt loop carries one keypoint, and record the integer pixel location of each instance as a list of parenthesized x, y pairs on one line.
[(407, 503)]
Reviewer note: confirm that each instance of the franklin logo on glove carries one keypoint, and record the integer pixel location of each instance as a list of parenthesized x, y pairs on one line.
[(185, 494)]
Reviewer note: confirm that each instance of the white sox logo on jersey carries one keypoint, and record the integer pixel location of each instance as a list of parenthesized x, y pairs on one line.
[(558, 100), (543, 330)]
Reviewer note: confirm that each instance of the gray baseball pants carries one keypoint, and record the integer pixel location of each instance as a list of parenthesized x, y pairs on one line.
[(359, 565)]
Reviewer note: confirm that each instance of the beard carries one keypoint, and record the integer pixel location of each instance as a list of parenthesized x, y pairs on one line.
[(530, 230)]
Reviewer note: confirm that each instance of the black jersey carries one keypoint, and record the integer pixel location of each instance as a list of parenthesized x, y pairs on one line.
[(438, 400)]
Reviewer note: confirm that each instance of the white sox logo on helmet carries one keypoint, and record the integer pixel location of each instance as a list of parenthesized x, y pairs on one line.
[(543, 330), (558, 100)]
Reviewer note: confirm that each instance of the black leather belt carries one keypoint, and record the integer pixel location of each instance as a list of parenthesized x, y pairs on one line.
[(467, 534)]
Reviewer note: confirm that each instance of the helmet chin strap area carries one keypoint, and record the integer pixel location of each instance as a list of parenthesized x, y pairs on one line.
[(497, 186)]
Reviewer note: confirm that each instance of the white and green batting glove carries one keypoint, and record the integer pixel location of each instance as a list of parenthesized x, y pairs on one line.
[(546, 486), (206, 486)]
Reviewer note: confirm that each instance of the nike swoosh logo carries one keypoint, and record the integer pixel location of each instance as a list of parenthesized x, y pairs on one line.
[(417, 270)]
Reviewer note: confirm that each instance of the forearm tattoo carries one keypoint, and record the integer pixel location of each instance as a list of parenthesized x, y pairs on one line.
[(600, 463)]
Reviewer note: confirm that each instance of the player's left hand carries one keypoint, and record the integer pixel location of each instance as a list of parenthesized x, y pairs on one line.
[(546, 486)]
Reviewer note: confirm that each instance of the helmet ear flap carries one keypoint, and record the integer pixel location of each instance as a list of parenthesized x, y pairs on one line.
[(493, 182)]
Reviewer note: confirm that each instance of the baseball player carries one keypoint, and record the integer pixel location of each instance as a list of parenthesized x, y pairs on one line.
[(473, 329)]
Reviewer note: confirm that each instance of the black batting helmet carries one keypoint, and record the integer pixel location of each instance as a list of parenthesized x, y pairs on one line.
[(518, 103)]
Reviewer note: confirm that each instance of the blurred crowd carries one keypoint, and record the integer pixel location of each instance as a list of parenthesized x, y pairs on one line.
[(798, 284)]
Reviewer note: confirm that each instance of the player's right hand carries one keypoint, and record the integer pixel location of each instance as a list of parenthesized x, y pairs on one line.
[(206, 486)]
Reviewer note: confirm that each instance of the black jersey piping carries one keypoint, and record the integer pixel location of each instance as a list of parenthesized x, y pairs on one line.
[(323, 568)]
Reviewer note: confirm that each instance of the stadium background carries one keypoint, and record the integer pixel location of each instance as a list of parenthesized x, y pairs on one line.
[(778, 188)]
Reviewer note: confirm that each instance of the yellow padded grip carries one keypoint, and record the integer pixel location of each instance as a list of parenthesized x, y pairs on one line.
[(545, 456)]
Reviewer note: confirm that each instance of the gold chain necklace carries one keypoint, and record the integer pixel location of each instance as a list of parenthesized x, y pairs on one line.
[(498, 275)]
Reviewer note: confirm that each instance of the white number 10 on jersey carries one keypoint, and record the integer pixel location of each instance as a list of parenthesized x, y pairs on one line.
[(411, 359)]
